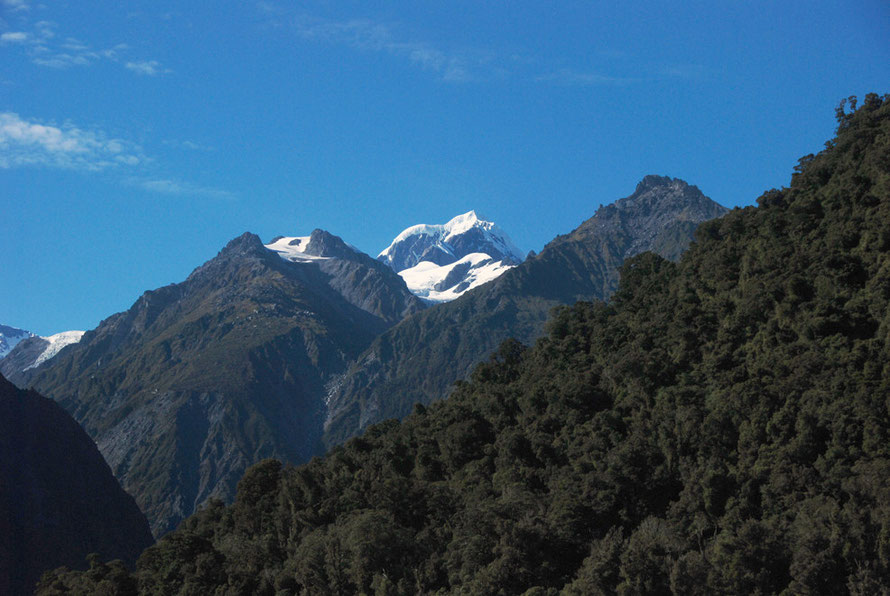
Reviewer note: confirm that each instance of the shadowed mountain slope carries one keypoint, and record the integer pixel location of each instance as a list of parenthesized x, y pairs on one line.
[(59, 501), (201, 379)]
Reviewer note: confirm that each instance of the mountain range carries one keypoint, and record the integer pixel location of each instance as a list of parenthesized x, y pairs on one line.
[(286, 348), (198, 380), (720, 426)]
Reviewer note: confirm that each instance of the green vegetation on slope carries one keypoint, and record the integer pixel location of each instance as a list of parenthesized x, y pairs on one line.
[(419, 359), (723, 426)]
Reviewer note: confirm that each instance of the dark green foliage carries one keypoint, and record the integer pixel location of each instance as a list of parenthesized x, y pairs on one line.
[(723, 426), (101, 579)]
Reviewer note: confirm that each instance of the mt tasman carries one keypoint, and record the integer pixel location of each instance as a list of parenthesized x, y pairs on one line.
[(441, 262)]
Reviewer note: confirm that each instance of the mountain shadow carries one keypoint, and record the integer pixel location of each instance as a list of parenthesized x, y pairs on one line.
[(59, 500)]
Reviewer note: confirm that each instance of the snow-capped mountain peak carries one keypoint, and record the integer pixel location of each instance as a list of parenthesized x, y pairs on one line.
[(293, 248), (439, 262), (10, 337), (446, 243)]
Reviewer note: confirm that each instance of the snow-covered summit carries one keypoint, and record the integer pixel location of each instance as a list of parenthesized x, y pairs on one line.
[(440, 262), (443, 244), (466, 222), (10, 337), (319, 246), (293, 248)]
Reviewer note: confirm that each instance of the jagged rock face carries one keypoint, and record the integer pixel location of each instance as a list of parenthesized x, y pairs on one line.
[(59, 501), (361, 280), (419, 359), (199, 380), (659, 216)]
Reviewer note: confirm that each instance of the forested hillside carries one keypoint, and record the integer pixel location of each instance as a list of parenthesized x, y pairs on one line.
[(721, 426), (419, 359)]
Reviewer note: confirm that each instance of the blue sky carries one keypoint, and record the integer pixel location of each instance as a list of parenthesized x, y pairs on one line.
[(137, 138)]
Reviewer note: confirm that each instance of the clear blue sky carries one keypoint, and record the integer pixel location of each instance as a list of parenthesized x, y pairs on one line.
[(137, 138)]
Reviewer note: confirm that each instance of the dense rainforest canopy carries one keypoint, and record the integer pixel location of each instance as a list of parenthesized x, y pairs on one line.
[(721, 426)]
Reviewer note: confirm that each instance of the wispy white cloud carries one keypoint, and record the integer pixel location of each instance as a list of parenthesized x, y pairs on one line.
[(196, 146), (43, 46), (16, 5), (31, 143), (147, 67), (463, 64), (12, 37), (451, 65), (179, 188), (683, 71), (74, 45), (190, 145), (569, 77)]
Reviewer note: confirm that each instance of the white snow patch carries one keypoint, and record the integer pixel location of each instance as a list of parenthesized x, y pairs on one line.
[(293, 248), (423, 277), (56, 343)]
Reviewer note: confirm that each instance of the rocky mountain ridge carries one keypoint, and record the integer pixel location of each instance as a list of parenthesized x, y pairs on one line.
[(660, 210), (198, 380)]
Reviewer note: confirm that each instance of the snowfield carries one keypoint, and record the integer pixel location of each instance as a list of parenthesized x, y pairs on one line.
[(431, 282)]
